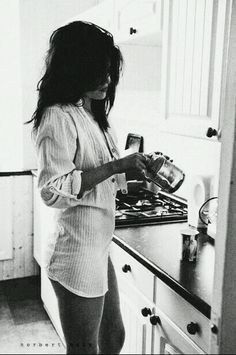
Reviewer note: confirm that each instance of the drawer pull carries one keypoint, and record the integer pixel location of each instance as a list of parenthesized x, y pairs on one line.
[(212, 132), (214, 329), (192, 328), (132, 31), (126, 268), (146, 311), (154, 320)]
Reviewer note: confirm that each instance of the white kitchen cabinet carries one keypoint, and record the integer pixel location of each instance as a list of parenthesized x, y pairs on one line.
[(136, 286), (194, 56), (43, 224), (139, 21), (164, 329), (138, 330)]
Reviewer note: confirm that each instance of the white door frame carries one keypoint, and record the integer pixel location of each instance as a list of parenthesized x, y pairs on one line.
[(224, 293)]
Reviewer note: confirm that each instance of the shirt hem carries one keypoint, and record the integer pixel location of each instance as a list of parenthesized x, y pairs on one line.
[(76, 292)]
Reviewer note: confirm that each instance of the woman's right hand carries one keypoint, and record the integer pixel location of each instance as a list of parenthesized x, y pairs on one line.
[(135, 161)]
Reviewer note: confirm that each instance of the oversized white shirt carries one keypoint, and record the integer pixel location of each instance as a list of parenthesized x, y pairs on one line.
[(68, 142)]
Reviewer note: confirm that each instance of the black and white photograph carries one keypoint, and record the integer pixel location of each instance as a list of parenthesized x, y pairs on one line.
[(118, 177)]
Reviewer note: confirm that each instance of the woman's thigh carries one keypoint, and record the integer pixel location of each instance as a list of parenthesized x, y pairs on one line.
[(80, 319), (112, 333)]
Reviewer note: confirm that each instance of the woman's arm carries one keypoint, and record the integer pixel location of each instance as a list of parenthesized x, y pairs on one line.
[(136, 161), (59, 180), (61, 184)]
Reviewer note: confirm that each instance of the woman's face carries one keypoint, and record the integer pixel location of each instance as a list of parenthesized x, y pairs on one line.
[(101, 92)]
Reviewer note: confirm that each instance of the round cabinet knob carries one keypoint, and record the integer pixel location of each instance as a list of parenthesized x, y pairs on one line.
[(132, 30), (126, 268), (214, 329), (154, 320), (211, 132), (146, 311), (192, 328)]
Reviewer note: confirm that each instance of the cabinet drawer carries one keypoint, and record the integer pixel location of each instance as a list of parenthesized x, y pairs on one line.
[(137, 275), (182, 313), (169, 339)]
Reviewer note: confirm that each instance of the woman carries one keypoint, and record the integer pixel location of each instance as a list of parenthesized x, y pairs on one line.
[(79, 172)]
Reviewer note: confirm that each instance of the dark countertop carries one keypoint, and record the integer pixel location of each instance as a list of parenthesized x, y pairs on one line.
[(15, 173), (158, 248)]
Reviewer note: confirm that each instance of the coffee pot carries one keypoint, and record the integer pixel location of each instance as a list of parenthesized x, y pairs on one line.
[(162, 172)]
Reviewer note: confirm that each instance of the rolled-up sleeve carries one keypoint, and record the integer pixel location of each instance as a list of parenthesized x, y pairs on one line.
[(59, 180)]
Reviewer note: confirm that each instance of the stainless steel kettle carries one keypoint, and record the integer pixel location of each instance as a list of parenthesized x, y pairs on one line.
[(162, 171)]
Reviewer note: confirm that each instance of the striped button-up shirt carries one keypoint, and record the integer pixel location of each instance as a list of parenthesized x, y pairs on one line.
[(68, 142)]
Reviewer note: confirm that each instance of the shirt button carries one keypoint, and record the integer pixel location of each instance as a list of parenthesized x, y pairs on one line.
[(113, 179), (113, 150)]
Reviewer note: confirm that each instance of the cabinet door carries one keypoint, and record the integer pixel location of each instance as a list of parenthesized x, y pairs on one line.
[(43, 225), (138, 18), (193, 59), (6, 210), (138, 330)]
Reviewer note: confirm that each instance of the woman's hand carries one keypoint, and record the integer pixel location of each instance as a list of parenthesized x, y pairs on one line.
[(135, 161)]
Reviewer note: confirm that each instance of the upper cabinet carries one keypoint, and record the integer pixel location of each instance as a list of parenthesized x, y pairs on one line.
[(139, 21), (194, 56), (134, 21)]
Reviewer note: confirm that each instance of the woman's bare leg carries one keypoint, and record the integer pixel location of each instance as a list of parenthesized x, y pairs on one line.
[(112, 332), (80, 320)]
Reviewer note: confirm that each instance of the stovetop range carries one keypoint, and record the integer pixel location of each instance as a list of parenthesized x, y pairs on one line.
[(148, 208)]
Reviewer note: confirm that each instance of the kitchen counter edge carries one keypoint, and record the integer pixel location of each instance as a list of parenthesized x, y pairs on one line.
[(195, 301)]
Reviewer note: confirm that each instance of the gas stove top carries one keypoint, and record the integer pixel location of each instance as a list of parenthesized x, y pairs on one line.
[(148, 208)]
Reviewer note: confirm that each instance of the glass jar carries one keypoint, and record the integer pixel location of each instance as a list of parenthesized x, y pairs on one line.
[(164, 173)]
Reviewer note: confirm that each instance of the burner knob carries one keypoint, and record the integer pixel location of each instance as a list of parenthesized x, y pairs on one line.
[(126, 268)]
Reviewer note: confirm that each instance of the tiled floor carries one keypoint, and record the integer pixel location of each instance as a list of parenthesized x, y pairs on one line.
[(24, 325)]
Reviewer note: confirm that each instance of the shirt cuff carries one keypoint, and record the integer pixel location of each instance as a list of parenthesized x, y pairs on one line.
[(69, 188)]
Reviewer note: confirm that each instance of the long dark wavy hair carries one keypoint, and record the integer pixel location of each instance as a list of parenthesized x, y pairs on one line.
[(80, 57)]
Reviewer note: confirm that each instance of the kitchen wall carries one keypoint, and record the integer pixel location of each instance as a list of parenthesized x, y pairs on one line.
[(25, 26), (10, 88), (138, 110), (38, 19)]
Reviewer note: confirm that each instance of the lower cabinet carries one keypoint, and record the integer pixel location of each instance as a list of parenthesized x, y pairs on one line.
[(138, 331), (149, 330)]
